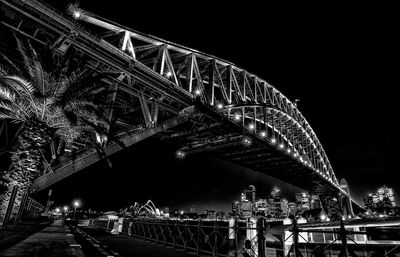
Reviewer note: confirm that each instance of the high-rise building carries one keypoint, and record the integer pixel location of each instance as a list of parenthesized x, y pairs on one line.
[(261, 206), (246, 209), (250, 193), (315, 202), (285, 207), (303, 201), (293, 207), (235, 208), (243, 197), (276, 194)]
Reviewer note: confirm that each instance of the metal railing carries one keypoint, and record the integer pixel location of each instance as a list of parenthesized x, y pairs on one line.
[(201, 237), (248, 238), (341, 242)]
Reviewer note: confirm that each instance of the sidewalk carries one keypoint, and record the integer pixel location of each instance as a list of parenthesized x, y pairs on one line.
[(124, 245), (54, 240)]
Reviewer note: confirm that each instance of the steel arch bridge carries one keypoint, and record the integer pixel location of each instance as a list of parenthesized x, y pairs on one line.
[(194, 100)]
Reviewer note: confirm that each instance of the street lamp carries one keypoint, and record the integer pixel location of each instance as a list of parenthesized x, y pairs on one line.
[(76, 205)]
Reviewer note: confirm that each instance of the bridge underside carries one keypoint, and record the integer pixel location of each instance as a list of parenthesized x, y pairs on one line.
[(214, 133)]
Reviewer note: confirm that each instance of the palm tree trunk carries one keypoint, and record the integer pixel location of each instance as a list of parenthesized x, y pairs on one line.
[(27, 162)]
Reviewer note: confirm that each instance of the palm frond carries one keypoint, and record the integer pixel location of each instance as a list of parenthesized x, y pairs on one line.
[(20, 84), (6, 105), (13, 66), (5, 114), (24, 90), (26, 59), (6, 94)]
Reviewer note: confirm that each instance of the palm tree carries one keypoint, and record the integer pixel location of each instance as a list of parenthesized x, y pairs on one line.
[(48, 97)]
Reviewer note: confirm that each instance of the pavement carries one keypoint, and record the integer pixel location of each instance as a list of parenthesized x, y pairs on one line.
[(54, 240), (126, 246)]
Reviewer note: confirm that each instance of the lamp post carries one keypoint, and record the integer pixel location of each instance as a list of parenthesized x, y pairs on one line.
[(76, 205)]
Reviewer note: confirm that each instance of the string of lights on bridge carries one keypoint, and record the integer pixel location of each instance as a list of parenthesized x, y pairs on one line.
[(273, 140)]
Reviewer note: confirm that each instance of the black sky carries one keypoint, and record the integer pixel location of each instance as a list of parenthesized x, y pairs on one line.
[(340, 61)]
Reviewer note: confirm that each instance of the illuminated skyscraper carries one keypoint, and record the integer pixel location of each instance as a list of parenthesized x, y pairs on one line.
[(285, 207), (251, 193), (276, 194), (236, 208), (303, 201)]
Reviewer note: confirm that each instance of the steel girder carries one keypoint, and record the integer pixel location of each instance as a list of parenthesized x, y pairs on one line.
[(91, 156), (174, 76), (221, 84)]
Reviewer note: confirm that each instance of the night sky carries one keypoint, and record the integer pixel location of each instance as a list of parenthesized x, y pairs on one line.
[(340, 61)]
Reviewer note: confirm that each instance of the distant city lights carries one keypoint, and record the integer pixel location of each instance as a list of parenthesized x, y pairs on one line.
[(180, 154), (76, 203)]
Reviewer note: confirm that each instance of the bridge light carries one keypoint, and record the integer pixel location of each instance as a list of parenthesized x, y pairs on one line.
[(220, 106), (168, 74), (288, 150), (180, 154), (76, 14), (263, 134), (251, 126), (273, 140), (197, 92), (281, 146), (237, 116), (247, 141)]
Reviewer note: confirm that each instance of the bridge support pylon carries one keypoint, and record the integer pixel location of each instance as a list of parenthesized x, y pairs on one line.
[(345, 201)]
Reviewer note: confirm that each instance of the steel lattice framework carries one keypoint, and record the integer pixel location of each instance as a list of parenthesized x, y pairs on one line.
[(195, 100)]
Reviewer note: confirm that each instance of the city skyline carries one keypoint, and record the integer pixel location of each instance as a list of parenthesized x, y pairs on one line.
[(289, 198)]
